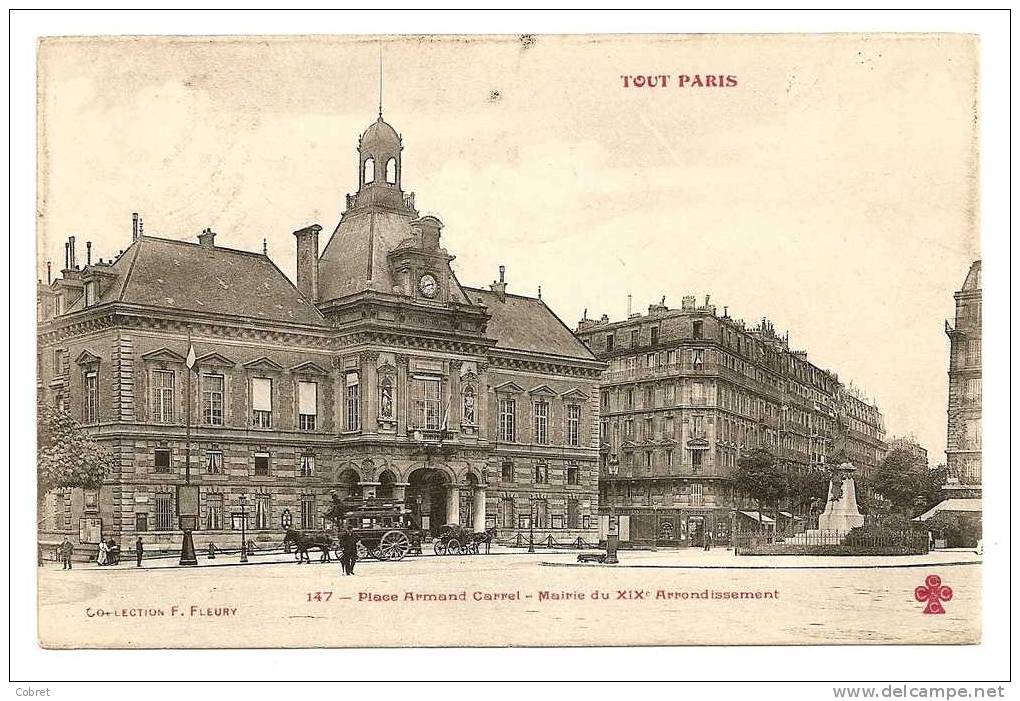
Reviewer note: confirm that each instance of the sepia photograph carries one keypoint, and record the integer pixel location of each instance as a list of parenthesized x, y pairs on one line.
[(508, 340)]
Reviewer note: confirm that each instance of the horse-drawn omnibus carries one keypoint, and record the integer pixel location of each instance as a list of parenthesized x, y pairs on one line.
[(384, 529)]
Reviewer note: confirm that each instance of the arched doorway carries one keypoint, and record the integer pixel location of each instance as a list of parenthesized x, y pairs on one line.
[(427, 491), (347, 484), (385, 488)]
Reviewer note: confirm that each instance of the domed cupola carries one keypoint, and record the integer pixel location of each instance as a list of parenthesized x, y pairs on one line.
[(379, 156)]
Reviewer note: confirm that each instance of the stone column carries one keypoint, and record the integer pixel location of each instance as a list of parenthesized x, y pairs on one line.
[(369, 392), (478, 509), (452, 504), (455, 404), (402, 389)]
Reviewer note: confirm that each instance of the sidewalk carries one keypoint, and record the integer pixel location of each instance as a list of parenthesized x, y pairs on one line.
[(721, 558)]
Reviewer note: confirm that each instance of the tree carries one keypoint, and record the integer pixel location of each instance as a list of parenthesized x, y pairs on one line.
[(810, 485), (907, 482), (759, 476), (68, 456)]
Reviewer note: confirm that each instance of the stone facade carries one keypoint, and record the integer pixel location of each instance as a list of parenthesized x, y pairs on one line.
[(687, 390), (378, 374), (963, 437)]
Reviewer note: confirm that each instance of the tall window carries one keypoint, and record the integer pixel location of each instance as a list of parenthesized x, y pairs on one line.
[(163, 396), (261, 402), (161, 460), (572, 513), (697, 329), (698, 358), (164, 512), (697, 457), (262, 464), (212, 400), (573, 474), (213, 512), (634, 338), (541, 422), (91, 396), (610, 342), (655, 335), (263, 515), (698, 426), (468, 408), (214, 462), (308, 402), (697, 393), (58, 361), (541, 473), (507, 420), (697, 495), (506, 472), (306, 467), (974, 390), (669, 457), (573, 424), (352, 402), (307, 512), (427, 404), (386, 398)]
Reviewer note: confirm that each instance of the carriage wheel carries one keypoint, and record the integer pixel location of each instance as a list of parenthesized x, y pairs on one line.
[(453, 547), (439, 547), (394, 545)]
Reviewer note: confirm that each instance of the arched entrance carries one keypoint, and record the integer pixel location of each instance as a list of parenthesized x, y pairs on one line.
[(385, 488), (428, 491), (347, 484)]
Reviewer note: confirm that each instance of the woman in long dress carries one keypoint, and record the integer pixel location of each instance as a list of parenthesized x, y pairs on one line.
[(104, 553)]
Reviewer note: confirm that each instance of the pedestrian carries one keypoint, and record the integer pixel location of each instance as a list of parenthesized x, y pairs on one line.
[(66, 548), (139, 550), (349, 550), (708, 540), (103, 558)]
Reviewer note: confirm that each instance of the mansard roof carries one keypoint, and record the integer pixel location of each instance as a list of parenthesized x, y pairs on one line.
[(527, 324), (185, 276)]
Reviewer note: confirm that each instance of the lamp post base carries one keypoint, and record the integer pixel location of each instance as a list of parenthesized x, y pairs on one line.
[(612, 544), (188, 557)]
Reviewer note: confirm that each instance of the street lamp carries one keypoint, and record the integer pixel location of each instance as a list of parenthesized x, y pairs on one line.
[(244, 520), (613, 534), (531, 523)]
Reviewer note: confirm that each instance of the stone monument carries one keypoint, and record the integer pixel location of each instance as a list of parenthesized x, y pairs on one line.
[(841, 511)]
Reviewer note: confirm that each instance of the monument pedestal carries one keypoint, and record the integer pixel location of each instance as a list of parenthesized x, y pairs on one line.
[(841, 513)]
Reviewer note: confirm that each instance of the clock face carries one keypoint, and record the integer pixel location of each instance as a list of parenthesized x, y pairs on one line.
[(428, 285)]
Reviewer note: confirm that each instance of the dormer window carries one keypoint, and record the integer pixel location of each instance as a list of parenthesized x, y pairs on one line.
[(91, 292)]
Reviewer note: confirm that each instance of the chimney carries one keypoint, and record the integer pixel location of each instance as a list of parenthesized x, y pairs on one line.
[(134, 226), (308, 261), (141, 228), (630, 304), (67, 255), (49, 274), (500, 287), (206, 238), (540, 292), (88, 253)]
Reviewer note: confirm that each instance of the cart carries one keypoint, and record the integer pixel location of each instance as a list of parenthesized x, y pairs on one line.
[(383, 528), (454, 539)]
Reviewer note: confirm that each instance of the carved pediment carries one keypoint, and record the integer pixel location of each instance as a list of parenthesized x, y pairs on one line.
[(508, 387), (542, 390), (264, 364), (575, 393), (469, 376), (387, 368), (697, 443), (164, 355), (309, 368), (87, 358), (212, 360)]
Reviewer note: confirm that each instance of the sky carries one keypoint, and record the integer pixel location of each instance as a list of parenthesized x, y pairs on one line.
[(833, 189)]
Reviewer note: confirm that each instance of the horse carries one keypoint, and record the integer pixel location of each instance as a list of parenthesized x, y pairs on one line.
[(304, 542), (485, 538)]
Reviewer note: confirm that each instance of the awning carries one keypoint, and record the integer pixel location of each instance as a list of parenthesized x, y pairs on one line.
[(955, 505), (753, 515)]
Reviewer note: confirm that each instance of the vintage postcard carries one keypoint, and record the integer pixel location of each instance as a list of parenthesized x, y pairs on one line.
[(516, 340)]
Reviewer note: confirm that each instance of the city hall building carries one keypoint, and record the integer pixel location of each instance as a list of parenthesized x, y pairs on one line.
[(686, 392), (377, 374)]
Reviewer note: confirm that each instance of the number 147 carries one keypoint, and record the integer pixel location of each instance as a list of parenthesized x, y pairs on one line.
[(319, 595)]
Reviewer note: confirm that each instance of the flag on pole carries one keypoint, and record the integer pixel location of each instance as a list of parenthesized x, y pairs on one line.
[(190, 362)]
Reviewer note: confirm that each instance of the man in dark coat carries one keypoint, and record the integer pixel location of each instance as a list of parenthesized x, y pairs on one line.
[(349, 548), (708, 539), (139, 550), (66, 548)]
